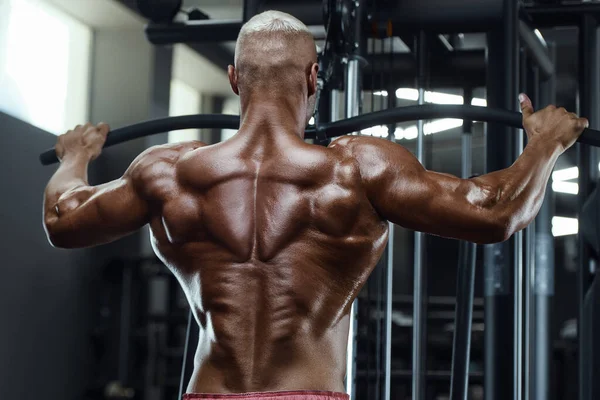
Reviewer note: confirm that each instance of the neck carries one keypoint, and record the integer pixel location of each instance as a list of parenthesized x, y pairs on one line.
[(273, 113)]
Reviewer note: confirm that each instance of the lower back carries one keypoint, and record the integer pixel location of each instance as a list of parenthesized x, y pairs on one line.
[(301, 362)]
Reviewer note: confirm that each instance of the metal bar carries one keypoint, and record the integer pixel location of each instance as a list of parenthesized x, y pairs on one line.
[(387, 388), (419, 326), (186, 346), (335, 102), (208, 30), (125, 326), (435, 16), (352, 88), (465, 286), (528, 315), (460, 68), (554, 15), (536, 50), (461, 345), (518, 299), (339, 128), (530, 83), (543, 278), (352, 102), (501, 85), (589, 104), (388, 313)]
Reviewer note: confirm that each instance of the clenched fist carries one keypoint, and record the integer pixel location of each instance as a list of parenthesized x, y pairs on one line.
[(551, 124), (86, 140)]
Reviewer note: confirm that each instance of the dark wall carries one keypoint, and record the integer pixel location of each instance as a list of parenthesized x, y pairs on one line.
[(44, 312), (50, 299)]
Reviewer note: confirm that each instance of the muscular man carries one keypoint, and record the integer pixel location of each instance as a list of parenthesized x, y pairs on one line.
[(272, 238)]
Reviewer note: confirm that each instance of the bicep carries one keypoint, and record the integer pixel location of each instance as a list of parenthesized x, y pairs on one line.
[(405, 193)]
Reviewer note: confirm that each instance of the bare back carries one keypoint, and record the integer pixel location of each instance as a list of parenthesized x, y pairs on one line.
[(271, 240)]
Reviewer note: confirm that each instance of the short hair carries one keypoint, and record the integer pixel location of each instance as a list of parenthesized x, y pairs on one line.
[(271, 22)]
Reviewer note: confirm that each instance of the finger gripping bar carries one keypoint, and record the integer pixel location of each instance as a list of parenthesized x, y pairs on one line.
[(395, 115)]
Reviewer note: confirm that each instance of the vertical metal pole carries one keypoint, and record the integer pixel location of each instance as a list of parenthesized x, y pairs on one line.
[(465, 287), (352, 88), (388, 314), (419, 337), (528, 314), (125, 322), (518, 284), (587, 161), (335, 105), (529, 74), (352, 109), (387, 391), (353, 98), (502, 58), (543, 266)]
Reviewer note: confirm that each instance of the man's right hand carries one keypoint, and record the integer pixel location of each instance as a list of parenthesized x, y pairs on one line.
[(551, 124)]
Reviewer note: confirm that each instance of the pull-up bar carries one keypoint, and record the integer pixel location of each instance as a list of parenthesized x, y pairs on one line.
[(394, 115)]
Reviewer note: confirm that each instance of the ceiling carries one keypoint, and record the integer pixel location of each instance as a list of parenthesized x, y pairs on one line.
[(99, 14)]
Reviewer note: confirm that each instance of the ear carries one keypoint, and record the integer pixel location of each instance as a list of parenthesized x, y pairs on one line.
[(312, 79), (233, 79)]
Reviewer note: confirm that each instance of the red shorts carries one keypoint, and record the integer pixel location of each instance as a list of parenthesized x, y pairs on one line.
[(289, 395)]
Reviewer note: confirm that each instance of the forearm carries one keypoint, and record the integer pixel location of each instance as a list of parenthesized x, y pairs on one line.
[(71, 174), (518, 191)]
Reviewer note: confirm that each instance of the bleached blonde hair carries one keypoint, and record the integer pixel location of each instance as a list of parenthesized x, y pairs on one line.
[(270, 22)]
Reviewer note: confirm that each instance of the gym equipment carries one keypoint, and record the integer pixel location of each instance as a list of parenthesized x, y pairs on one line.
[(159, 10), (330, 130)]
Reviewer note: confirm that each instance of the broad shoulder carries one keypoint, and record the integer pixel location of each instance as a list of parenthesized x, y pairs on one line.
[(377, 158), (365, 148), (154, 168), (162, 155)]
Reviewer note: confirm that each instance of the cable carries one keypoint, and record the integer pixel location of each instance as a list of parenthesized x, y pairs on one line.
[(185, 353)]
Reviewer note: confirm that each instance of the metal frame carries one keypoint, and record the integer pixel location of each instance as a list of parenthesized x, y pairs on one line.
[(419, 275), (499, 335), (587, 161), (465, 286)]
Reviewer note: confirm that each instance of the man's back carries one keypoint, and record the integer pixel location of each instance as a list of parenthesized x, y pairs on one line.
[(271, 239)]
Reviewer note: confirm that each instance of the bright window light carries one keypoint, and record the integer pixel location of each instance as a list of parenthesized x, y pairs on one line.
[(565, 174), (184, 100), (376, 131), (429, 128), (407, 94), (44, 78), (441, 125), (479, 102), (433, 97), (565, 187), (311, 121), (383, 93), (443, 98), (411, 132), (562, 226)]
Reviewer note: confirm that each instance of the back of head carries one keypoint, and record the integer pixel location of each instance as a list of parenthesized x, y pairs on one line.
[(274, 51)]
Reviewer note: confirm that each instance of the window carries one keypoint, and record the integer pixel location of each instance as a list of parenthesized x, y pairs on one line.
[(185, 100), (44, 65)]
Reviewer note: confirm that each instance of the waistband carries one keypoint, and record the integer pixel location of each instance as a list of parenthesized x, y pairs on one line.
[(287, 395)]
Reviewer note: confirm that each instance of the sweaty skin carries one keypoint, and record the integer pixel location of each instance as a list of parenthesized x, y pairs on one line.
[(272, 238)]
